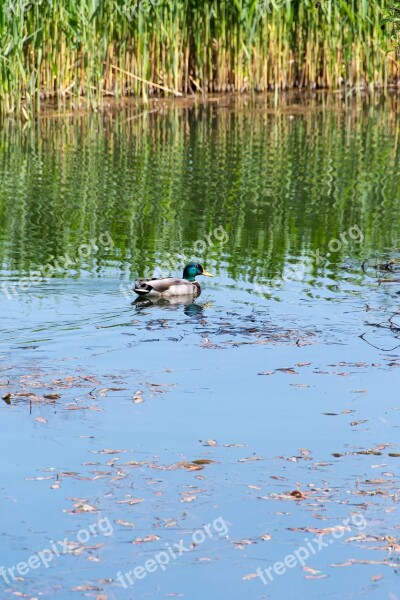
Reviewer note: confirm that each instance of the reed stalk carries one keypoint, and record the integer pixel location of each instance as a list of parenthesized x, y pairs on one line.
[(68, 49)]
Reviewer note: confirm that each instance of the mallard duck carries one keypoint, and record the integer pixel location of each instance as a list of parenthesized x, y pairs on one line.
[(171, 286)]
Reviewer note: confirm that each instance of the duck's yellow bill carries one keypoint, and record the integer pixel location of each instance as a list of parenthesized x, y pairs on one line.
[(207, 274)]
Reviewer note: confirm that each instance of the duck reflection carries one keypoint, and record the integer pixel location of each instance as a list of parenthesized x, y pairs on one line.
[(190, 308)]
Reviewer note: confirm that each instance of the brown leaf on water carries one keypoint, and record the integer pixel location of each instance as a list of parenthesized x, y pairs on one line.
[(210, 443), (376, 577), (86, 588), (288, 371), (92, 558), (266, 536), (108, 451), (52, 396), (83, 507), (183, 465), (376, 481), (371, 493), (188, 498), (171, 523), (234, 445), (250, 458), (204, 461), (304, 451), (394, 454), (148, 538), (321, 531), (192, 467), (311, 571), (266, 373), (240, 544), (7, 399), (91, 379), (124, 523), (41, 420), (131, 501), (353, 423), (249, 576)]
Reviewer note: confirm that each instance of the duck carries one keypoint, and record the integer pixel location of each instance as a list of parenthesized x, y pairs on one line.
[(167, 287)]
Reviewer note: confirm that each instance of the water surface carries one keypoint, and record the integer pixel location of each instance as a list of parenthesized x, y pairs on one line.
[(265, 373)]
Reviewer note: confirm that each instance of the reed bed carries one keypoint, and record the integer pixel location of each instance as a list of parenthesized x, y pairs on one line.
[(84, 50)]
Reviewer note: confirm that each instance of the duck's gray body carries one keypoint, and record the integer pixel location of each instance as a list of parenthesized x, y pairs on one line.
[(166, 287)]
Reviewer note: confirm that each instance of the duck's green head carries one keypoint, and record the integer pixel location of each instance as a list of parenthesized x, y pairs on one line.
[(193, 269)]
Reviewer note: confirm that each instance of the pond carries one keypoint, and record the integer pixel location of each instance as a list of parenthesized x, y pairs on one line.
[(242, 444)]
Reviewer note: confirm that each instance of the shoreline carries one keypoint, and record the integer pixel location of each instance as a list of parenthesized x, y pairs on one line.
[(295, 100)]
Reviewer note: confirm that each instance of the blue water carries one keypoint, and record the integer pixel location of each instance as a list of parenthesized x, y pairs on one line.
[(166, 384)]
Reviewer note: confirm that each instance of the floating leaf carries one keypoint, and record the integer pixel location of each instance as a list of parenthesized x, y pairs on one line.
[(131, 501), (124, 523), (250, 458), (148, 538), (249, 576), (288, 370)]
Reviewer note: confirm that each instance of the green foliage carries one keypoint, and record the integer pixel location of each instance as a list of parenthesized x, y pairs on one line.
[(69, 49), (391, 23)]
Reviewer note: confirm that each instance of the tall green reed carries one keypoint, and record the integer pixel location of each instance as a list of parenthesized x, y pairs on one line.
[(88, 49)]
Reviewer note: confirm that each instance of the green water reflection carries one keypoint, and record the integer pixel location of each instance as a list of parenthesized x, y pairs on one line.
[(281, 185)]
